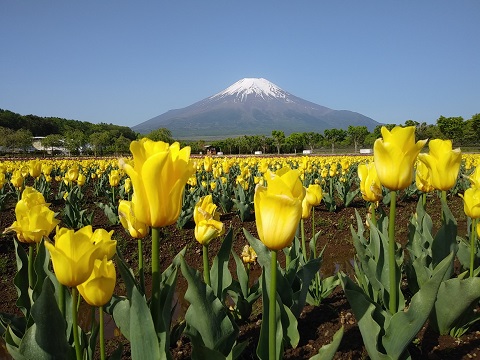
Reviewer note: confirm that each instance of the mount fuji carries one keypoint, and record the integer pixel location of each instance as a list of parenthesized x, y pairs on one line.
[(252, 106)]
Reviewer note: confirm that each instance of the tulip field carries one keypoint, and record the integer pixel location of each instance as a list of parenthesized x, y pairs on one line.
[(167, 255)]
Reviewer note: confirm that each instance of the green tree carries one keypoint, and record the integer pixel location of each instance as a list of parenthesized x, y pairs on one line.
[(475, 125), (121, 145), (334, 136), (242, 144), (22, 139), (451, 127), (161, 134), (75, 140), (312, 139), (52, 141), (99, 141), (7, 140), (265, 143), (230, 144), (357, 135), (278, 139), (295, 141)]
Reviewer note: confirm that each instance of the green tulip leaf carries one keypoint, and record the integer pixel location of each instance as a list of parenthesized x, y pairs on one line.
[(46, 338), (40, 265), (143, 338), (119, 308), (291, 335), (306, 274), (445, 240), (404, 325), (167, 292), (127, 275), (21, 280), (219, 273), (208, 322), (327, 352), (371, 317), (241, 274), (284, 288), (456, 312)]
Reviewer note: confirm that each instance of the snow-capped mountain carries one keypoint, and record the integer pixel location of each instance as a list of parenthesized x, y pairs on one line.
[(260, 88), (252, 106)]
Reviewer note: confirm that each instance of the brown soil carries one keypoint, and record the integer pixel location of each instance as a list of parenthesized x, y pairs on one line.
[(316, 325)]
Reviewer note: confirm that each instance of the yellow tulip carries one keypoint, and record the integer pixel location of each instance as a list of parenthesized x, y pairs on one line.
[(213, 185), (443, 163), (32, 226), (471, 202), (97, 290), (370, 185), (17, 179), (475, 177), (248, 254), (207, 221), (207, 163), (103, 239), (159, 176), (278, 208), (114, 178), (136, 229), (394, 156), (128, 185), (30, 198), (47, 169), (35, 168), (333, 170), (3, 180), (422, 178), (314, 194), (73, 255), (81, 179), (72, 173), (313, 197), (306, 208)]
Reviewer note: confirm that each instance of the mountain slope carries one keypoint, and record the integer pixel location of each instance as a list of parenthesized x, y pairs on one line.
[(252, 106)]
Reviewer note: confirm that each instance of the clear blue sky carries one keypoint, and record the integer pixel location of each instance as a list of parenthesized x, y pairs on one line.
[(124, 62)]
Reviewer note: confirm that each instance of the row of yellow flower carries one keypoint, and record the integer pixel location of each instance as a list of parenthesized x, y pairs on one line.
[(77, 171)]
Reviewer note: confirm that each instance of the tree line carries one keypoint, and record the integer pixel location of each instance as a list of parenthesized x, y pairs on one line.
[(461, 132), (16, 132)]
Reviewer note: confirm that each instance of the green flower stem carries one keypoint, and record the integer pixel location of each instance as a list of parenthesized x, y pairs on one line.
[(113, 194), (30, 267), (393, 306), (61, 299), (141, 271), (206, 266), (304, 246), (473, 232), (155, 300), (317, 275), (313, 231), (424, 199), (373, 214), (102, 334), (444, 201), (272, 319), (330, 190), (78, 350)]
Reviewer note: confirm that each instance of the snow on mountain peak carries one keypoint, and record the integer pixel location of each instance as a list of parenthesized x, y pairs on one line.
[(258, 87)]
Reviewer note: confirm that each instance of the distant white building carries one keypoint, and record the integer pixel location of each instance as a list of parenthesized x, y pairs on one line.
[(37, 146)]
